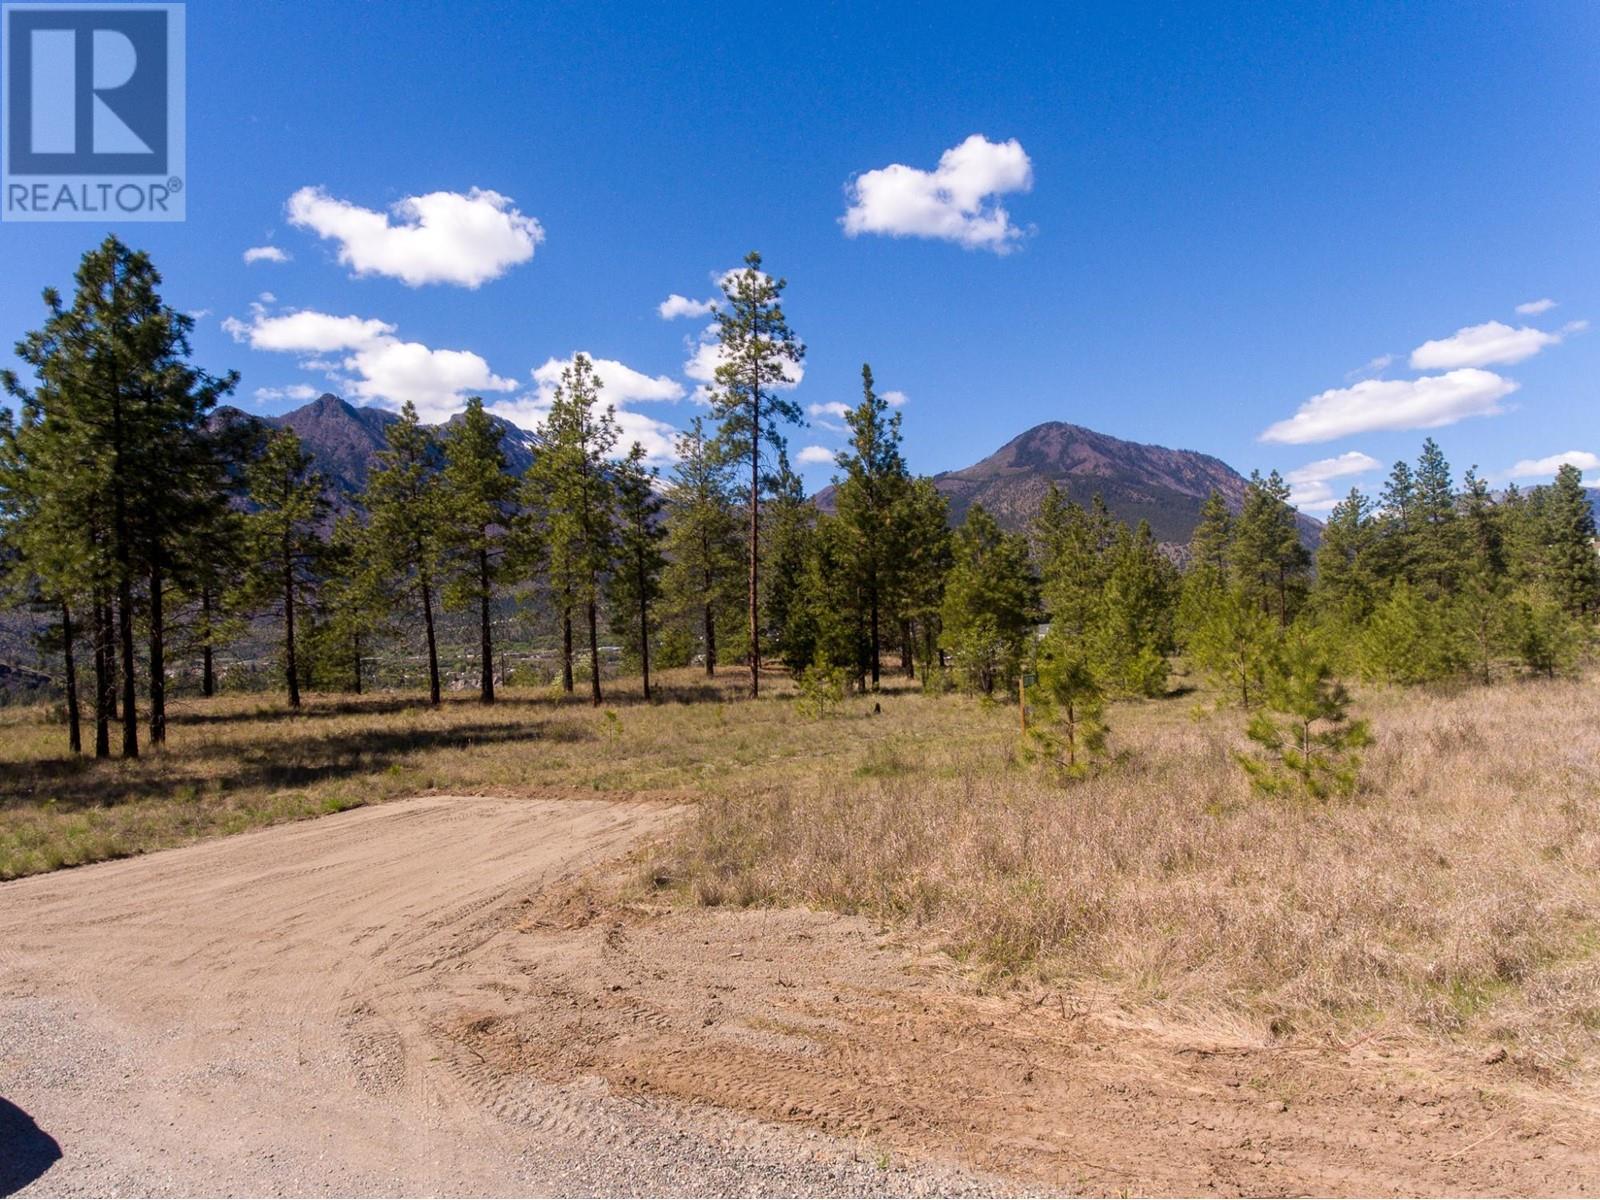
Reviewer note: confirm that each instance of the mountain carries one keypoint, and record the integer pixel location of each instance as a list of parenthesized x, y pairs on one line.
[(1138, 482), (343, 439)]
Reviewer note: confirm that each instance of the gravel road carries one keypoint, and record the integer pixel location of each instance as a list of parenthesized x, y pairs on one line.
[(256, 1015)]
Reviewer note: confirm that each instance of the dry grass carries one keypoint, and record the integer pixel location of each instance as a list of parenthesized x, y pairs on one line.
[(243, 761), (1457, 894)]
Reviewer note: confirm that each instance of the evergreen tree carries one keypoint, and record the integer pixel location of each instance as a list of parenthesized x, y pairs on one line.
[(281, 529), (478, 493), (355, 600), (756, 349), (925, 533), (1067, 725), (869, 501), (990, 601), (404, 514), (1132, 633), (1070, 545), (1479, 608), (635, 584), (786, 548), (1269, 561), (703, 551), (1212, 541), (1232, 640), (1307, 741), (1436, 556), (1571, 569), (1346, 583), (1406, 640), (126, 412), (570, 486)]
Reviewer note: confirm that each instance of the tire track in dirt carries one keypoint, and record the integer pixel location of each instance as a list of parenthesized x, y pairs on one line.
[(259, 1014)]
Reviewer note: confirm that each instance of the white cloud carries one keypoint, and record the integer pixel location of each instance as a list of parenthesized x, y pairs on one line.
[(1425, 403), (832, 408), (1311, 489), (956, 202), (681, 306), (295, 391), (622, 385), (1372, 367), (1482, 346), (1545, 468), (895, 399), (378, 366), (442, 237), (306, 332), (1351, 462), (1534, 307), (269, 254), (812, 456)]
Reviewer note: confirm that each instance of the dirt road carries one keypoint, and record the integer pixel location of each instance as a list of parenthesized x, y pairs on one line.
[(267, 1014), (422, 997)]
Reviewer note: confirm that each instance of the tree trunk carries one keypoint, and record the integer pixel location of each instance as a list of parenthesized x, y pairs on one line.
[(208, 672), (113, 680), (433, 647), (355, 642), (74, 731), (290, 672), (644, 632), (594, 654), (158, 658), (907, 664), (130, 711), (486, 639), (103, 689), (711, 641), (755, 542), (873, 636), (566, 650)]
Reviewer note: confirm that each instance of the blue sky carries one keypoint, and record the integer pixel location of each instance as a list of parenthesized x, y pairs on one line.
[(1201, 217)]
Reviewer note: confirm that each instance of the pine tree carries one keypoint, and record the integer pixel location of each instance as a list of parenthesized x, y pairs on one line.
[(478, 494), (127, 412), (1307, 742), (1070, 545), (1405, 640), (1132, 632), (703, 552), (869, 502), (1395, 544), (282, 531), (990, 601), (1269, 561), (1479, 609), (404, 514), (1067, 723), (635, 584), (355, 600), (925, 532), (570, 486), (786, 547), (1571, 568), (1436, 550), (1232, 640), (1346, 585), (1212, 541), (756, 348)]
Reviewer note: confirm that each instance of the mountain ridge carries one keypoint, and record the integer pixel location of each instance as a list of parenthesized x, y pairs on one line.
[(1137, 480)]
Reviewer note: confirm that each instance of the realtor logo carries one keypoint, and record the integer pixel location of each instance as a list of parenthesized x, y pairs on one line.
[(91, 111)]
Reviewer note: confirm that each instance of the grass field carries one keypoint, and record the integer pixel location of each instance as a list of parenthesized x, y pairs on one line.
[(1457, 895)]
